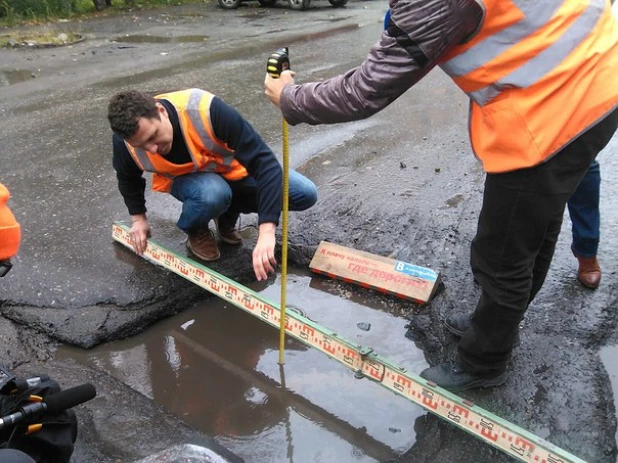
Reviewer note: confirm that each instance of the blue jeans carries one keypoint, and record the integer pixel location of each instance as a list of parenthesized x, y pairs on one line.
[(584, 212), (206, 196)]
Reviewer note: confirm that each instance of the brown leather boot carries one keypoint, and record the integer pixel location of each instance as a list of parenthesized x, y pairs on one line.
[(226, 225), (589, 272), (203, 244)]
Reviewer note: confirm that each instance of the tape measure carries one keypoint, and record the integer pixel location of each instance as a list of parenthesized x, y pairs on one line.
[(278, 62), (484, 425)]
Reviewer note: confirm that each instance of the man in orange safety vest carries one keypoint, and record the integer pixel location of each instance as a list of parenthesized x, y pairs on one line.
[(541, 78)]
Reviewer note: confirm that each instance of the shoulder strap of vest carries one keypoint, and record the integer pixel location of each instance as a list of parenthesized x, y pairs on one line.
[(140, 157), (193, 106)]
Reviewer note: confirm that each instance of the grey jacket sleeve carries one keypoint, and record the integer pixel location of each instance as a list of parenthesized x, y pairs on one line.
[(418, 35)]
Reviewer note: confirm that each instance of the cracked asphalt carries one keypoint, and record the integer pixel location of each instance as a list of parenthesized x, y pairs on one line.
[(403, 183)]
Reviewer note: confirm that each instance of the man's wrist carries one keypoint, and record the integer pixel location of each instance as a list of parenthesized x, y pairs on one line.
[(138, 218), (267, 227)]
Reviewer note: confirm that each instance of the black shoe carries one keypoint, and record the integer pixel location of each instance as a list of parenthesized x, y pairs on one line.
[(459, 323), (452, 377)]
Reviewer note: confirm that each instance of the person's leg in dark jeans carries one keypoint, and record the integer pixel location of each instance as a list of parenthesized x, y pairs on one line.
[(514, 227), (510, 255), (204, 196), (517, 225), (302, 194), (510, 260), (586, 219)]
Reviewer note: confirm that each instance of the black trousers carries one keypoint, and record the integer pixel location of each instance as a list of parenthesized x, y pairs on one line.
[(517, 232)]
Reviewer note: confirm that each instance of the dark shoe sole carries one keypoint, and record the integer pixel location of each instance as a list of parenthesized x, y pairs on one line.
[(482, 383), (437, 376), (204, 258)]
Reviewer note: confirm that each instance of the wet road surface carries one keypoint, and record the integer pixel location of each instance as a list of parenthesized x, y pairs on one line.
[(402, 183), (217, 367)]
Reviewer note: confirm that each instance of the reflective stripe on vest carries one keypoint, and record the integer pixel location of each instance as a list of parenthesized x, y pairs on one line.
[(144, 161), (521, 34), (193, 111), (538, 73), (207, 153)]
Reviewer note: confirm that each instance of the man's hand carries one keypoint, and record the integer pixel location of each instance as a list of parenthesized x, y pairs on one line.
[(264, 252), (274, 87), (140, 232)]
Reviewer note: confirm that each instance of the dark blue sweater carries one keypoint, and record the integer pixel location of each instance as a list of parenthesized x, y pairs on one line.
[(232, 129)]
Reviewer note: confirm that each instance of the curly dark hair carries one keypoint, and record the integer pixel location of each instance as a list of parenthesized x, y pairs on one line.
[(126, 108)]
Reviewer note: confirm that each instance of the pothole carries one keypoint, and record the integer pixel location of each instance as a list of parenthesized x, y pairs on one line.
[(15, 76)]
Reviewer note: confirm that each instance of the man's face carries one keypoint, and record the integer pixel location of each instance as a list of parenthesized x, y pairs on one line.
[(154, 135)]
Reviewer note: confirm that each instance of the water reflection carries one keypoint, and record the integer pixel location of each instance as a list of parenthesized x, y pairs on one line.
[(14, 77), (217, 367), (161, 39), (202, 373)]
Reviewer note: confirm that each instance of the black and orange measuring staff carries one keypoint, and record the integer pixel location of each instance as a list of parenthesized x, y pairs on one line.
[(278, 62)]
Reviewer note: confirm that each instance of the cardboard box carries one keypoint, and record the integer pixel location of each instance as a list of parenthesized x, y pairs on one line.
[(383, 274)]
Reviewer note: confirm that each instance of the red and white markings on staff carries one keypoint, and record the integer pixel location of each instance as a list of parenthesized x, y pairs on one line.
[(462, 413)]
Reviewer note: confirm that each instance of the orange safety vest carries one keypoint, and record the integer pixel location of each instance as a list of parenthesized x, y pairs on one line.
[(208, 154), (539, 73)]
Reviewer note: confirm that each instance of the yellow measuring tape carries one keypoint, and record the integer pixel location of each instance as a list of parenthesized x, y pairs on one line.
[(278, 62), (464, 414), (284, 237)]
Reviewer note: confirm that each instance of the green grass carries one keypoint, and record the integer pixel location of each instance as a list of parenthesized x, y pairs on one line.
[(18, 12), (41, 38)]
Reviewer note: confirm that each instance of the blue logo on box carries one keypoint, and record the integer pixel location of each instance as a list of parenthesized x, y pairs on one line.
[(416, 271)]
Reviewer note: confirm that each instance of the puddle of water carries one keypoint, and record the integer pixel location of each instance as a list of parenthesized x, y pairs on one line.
[(160, 39), (217, 367), (609, 354), (14, 77)]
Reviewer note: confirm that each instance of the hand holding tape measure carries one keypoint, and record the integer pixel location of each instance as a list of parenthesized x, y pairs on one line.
[(278, 74)]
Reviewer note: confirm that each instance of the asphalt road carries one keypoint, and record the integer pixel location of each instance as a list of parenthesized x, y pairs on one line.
[(403, 183)]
